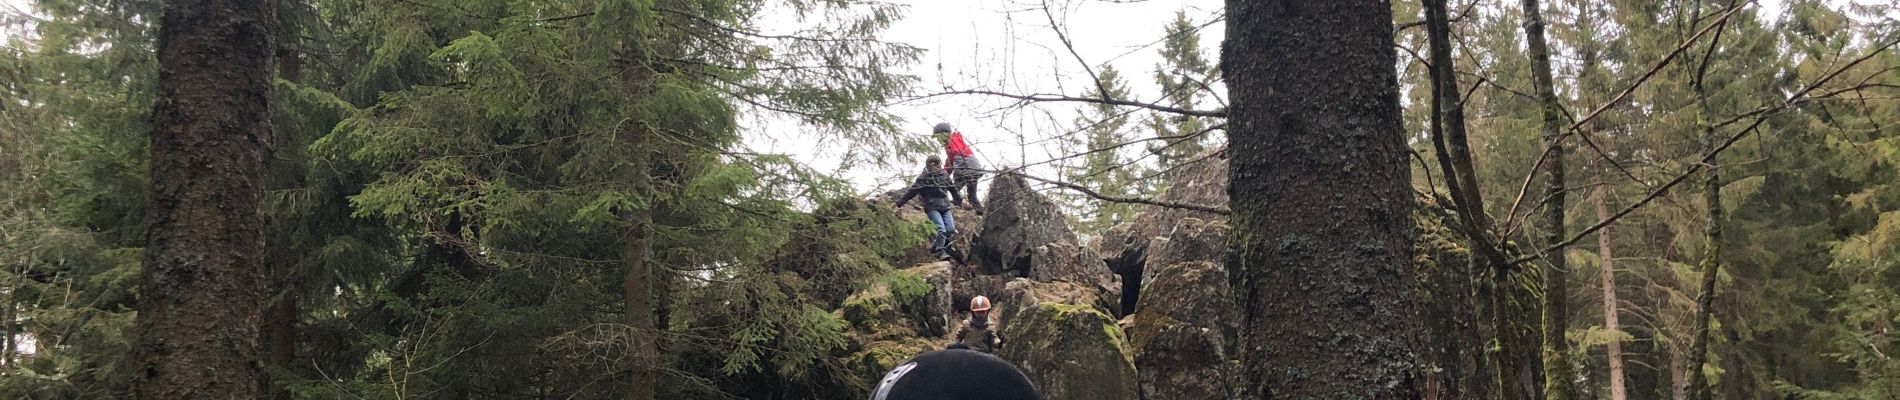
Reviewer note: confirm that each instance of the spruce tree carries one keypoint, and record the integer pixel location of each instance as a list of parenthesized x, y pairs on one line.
[(1104, 130), (1184, 76)]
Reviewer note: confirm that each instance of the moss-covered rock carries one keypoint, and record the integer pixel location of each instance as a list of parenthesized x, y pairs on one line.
[(1184, 333), (1071, 352), (877, 357), (1021, 293), (930, 306)]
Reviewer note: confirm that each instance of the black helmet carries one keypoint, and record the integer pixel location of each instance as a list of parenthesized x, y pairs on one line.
[(942, 127), (955, 374)]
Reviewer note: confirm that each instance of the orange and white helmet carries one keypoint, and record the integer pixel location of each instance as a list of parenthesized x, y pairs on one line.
[(979, 303)]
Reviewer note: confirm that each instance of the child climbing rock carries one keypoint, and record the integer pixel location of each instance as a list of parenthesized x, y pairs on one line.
[(964, 168), (938, 193), (979, 332)]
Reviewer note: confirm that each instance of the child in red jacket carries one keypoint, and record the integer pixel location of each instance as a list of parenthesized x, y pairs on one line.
[(963, 166)]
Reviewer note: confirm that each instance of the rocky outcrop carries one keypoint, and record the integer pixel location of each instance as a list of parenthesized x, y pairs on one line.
[(1071, 352), (1019, 221), (1020, 294), (1192, 239), (902, 313), (933, 311), (1200, 182), (1185, 332)]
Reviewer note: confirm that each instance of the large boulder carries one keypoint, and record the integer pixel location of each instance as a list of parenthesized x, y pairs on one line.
[(1019, 221), (1192, 239), (933, 311), (1185, 332), (1071, 352), (1021, 294), (896, 305), (901, 314), (1078, 265), (1202, 182)]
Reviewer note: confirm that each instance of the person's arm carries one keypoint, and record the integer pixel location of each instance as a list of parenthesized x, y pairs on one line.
[(908, 194)]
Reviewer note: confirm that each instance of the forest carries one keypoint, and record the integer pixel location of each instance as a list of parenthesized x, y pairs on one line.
[(1278, 199)]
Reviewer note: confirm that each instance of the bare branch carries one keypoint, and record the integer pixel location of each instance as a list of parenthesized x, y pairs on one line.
[(1544, 156), (1108, 101), (1129, 200), (1760, 116)]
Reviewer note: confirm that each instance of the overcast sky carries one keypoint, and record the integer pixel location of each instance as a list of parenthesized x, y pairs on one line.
[(1010, 46), (1007, 46)]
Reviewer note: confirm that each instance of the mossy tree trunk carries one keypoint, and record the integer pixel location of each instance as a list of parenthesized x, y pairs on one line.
[(202, 291), (1558, 377), (1519, 369), (1321, 201)]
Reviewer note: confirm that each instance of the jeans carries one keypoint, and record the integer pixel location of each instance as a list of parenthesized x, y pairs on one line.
[(946, 224)]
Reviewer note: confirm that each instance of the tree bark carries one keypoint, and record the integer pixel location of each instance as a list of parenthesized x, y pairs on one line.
[(280, 321), (1558, 384), (1587, 46), (1607, 257), (202, 290), (1711, 269), (1712, 259), (1321, 200), (640, 318), (643, 329), (280, 334), (1519, 370)]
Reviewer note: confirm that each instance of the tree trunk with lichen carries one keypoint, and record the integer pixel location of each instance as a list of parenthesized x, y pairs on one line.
[(1558, 377), (202, 292), (1321, 201), (1519, 369)]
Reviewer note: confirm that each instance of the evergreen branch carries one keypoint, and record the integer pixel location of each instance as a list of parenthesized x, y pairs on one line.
[(736, 31), (568, 17), (1544, 156), (1760, 116), (1109, 101)]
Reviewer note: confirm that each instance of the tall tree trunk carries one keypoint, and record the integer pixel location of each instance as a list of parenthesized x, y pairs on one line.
[(1712, 194), (1558, 378), (1711, 269), (280, 321), (1590, 67), (202, 291), (643, 346), (1678, 373), (10, 326), (1615, 347), (1321, 200), (1519, 369)]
